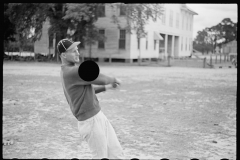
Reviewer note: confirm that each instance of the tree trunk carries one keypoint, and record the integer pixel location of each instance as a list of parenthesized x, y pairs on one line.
[(58, 38), (19, 49), (57, 57), (204, 62), (90, 51), (210, 58), (139, 58)]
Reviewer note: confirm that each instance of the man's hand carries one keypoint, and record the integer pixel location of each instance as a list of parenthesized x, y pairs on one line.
[(111, 86), (114, 85), (118, 81)]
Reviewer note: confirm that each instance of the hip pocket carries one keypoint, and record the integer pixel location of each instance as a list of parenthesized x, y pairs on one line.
[(85, 128)]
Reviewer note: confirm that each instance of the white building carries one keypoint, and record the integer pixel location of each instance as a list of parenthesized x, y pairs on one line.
[(170, 35)]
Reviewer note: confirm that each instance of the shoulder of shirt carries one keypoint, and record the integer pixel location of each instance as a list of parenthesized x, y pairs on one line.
[(68, 70)]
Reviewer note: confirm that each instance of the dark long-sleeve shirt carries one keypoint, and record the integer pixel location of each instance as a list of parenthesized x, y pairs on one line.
[(80, 95)]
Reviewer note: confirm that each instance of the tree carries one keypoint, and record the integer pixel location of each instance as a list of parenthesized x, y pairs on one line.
[(8, 29), (200, 41), (223, 32), (137, 16), (83, 17), (58, 26), (27, 19), (228, 29), (210, 37)]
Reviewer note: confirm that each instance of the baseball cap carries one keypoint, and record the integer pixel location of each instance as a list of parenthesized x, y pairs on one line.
[(66, 44)]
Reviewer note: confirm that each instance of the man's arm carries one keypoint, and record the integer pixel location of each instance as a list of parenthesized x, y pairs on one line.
[(99, 89), (105, 87), (104, 80)]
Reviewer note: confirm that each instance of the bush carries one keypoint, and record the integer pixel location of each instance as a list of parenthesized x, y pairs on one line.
[(14, 47), (28, 47), (40, 57)]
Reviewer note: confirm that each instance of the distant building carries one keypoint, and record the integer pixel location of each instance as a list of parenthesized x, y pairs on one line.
[(170, 35), (230, 49)]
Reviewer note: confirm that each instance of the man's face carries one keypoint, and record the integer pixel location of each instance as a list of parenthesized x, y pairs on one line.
[(72, 55)]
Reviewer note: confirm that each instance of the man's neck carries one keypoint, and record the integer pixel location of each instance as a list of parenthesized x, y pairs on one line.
[(66, 63)]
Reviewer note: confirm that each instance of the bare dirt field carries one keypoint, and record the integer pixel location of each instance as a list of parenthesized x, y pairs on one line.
[(159, 112)]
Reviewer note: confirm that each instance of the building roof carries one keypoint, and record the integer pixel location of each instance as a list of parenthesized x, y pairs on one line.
[(185, 7), (231, 43), (157, 36)]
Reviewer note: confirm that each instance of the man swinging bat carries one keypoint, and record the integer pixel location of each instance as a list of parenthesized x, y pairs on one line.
[(77, 81)]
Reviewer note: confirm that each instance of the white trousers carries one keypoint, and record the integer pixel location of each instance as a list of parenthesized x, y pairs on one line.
[(101, 137)]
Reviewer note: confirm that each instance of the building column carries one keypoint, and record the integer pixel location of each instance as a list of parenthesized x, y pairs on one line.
[(173, 38), (165, 46)]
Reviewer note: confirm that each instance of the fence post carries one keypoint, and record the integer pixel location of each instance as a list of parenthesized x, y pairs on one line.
[(168, 60)]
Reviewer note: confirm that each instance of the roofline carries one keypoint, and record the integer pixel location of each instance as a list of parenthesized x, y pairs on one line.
[(185, 7), (194, 13)]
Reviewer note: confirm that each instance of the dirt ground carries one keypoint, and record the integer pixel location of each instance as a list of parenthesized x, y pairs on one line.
[(159, 112)]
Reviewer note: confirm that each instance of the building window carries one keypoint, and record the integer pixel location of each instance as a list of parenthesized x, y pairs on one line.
[(190, 42), (122, 39), (164, 17), (101, 43), (155, 41), (186, 45), (101, 11), (177, 20), (182, 45), (182, 20), (190, 23), (122, 10), (171, 19), (186, 21)]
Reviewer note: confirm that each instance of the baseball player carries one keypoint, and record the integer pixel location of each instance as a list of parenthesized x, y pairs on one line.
[(93, 125)]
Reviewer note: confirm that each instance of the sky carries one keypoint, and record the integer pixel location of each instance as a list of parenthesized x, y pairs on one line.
[(212, 14)]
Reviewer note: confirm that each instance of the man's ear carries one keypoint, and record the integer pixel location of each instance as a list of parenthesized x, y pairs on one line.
[(63, 55)]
